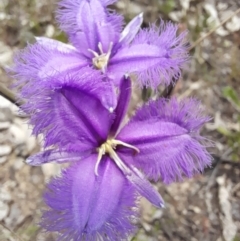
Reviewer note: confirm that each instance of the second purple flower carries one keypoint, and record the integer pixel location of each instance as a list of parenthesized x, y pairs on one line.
[(154, 55)]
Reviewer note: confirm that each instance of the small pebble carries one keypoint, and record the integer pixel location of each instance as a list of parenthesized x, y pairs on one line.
[(3, 159), (18, 134), (4, 209), (4, 125), (5, 194), (19, 163), (5, 150)]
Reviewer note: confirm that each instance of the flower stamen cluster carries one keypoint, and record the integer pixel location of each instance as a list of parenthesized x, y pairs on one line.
[(109, 148), (100, 61)]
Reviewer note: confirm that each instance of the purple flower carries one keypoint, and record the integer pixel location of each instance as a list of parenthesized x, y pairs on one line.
[(154, 55), (95, 198)]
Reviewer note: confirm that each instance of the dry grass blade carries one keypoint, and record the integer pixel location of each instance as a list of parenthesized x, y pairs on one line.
[(213, 30), (11, 232)]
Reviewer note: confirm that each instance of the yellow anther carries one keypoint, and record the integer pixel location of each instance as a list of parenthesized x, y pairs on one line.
[(100, 61), (109, 148)]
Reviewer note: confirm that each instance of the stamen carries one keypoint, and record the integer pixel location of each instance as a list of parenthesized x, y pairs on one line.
[(117, 142), (133, 175), (108, 147), (100, 47), (119, 162), (101, 152), (100, 61), (93, 52), (109, 49)]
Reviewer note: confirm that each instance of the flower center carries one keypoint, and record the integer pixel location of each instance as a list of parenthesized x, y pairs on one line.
[(100, 61), (133, 175), (109, 148)]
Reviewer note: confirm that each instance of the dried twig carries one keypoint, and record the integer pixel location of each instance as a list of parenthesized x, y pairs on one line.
[(10, 231), (213, 30)]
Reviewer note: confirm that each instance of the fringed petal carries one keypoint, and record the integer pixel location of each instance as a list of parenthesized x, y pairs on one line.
[(130, 31), (53, 44), (88, 23), (156, 56), (167, 135), (57, 156), (40, 61), (83, 206), (144, 187), (68, 111)]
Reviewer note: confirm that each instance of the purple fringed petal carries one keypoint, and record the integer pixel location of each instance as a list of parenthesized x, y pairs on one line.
[(88, 23), (94, 207), (94, 25), (122, 106), (40, 61), (56, 156), (55, 45), (107, 2), (130, 31), (68, 111), (144, 187), (187, 113), (156, 56), (167, 135)]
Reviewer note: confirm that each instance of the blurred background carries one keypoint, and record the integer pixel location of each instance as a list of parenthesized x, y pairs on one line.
[(205, 208)]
